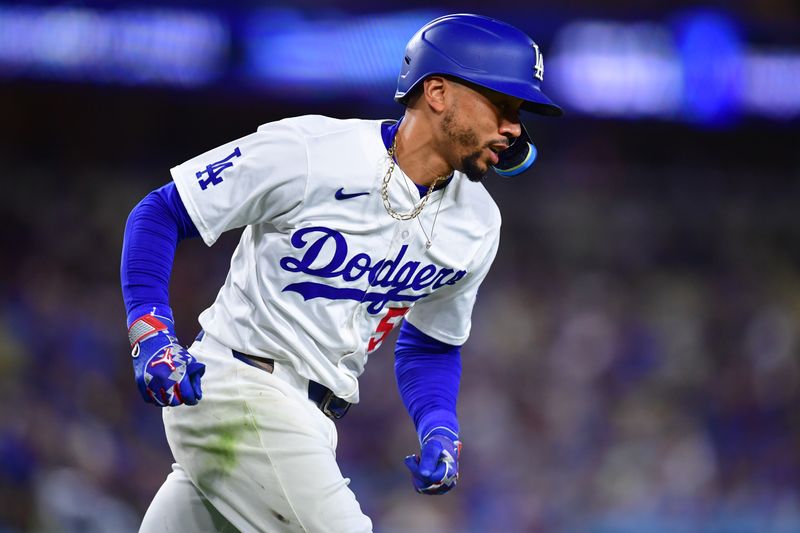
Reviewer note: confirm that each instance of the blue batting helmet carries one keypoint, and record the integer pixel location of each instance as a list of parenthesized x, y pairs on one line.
[(480, 50)]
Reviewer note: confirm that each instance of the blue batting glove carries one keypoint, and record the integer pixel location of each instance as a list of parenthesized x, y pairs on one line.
[(166, 373), (435, 470)]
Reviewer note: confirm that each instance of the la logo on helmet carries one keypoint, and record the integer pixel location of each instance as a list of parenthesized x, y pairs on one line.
[(538, 69)]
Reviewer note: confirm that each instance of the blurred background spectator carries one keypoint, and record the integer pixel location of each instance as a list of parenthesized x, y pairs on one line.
[(633, 364)]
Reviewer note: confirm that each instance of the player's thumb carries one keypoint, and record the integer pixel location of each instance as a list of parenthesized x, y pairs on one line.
[(194, 378), (429, 457), (412, 464)]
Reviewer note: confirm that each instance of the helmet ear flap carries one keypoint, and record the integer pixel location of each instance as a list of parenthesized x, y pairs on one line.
[(518, 157)]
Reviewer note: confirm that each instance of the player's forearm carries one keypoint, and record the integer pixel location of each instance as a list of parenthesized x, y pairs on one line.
[(428, 374), (154, 228)]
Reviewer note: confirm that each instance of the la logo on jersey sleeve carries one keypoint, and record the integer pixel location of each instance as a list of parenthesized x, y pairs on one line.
[(215, 169)]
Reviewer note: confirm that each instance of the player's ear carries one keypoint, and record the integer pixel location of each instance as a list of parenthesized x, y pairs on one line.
[(434, 91)]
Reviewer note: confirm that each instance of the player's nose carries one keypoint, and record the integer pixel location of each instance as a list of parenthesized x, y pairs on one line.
[(510, 127)]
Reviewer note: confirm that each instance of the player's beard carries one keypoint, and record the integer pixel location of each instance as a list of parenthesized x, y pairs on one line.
[(470, 163), (471, 167)]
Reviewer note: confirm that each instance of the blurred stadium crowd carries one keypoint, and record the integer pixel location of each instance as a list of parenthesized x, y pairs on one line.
[(633, 366)]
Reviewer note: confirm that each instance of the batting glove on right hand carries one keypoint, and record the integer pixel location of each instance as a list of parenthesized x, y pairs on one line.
[(435, 470), (166, 373)]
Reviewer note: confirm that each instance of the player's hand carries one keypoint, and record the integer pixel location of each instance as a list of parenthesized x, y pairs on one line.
[(435, 470), (166, 373)]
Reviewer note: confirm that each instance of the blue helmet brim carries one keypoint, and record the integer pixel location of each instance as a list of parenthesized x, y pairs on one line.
[(534, 100)]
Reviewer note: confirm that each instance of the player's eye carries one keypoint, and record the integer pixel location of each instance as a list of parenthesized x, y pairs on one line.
[(507, 109)]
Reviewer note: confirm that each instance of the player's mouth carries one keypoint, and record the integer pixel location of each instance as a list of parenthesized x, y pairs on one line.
[(494, 152)]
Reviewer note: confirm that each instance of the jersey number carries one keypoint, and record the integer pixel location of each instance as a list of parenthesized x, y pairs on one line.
[(394, 315)]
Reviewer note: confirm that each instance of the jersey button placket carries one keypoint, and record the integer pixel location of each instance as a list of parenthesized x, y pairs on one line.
[(402, 234)]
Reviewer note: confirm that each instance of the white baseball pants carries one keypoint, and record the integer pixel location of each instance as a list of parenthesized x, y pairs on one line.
[(255, 454)]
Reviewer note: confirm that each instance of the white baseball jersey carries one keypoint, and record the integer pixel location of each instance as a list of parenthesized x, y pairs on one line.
[(322, 272)]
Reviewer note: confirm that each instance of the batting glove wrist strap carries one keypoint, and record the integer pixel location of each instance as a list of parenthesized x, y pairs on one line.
[(166, 373), (144, 327), (435, 469)]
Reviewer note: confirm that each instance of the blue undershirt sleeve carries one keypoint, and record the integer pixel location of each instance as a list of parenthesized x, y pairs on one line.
[(154, 228), (428, 374)]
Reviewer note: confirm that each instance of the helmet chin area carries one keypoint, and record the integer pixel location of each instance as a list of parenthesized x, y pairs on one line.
[(518, 157), (521, 161)]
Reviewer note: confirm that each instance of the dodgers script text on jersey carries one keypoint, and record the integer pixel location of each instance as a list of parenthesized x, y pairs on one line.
[(393, 274)]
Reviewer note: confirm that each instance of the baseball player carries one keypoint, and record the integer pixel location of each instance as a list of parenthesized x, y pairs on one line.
[(351, 228)]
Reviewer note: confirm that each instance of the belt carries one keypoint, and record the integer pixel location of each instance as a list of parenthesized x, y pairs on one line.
[(331, 405)]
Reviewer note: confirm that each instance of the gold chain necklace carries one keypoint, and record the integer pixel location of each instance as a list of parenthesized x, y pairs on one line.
[(417, 209)]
